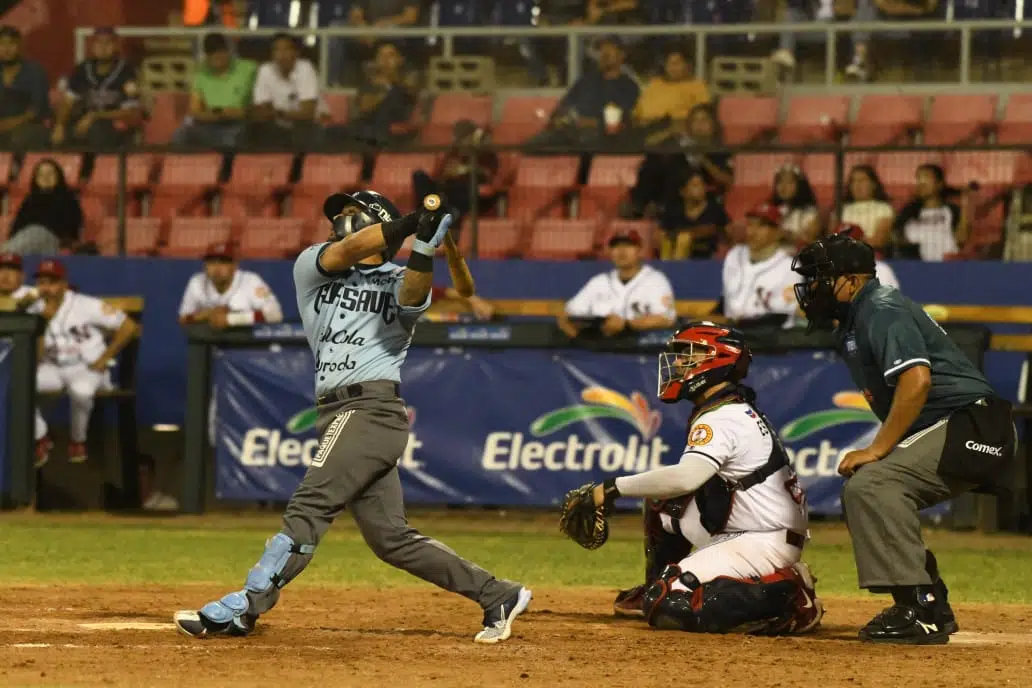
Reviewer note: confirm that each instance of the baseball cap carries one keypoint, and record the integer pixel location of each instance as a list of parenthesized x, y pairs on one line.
[(220, 250), (768, 212), (52, 268), (10, 260), (624, 236), (851, 230)]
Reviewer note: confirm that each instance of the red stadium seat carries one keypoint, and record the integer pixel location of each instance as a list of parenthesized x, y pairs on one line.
[(610, 178), (540, 186), (959, 119), (646, 229), (747, 119), (821, 170), (886, 119), (994, 171), (277, 237), (523, 117), (897, 172), (449, 108), (814, 119), (322, 175), (5, 226), (496, 238), (141, 236), (1016, 124), (740, 200), (756, 171), (256, 185), (392, 176), (188, 237), (184, 185), (101, 192), (563, 239), (166, 115), (339, 106)]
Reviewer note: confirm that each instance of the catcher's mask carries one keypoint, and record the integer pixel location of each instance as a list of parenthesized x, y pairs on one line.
[(352, 212), (821, 264), (699, 356)]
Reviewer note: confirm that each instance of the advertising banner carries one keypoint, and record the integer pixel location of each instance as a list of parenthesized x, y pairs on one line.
[(493, 427)]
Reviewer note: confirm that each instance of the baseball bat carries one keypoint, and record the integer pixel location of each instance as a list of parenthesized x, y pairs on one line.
[(461, 277)]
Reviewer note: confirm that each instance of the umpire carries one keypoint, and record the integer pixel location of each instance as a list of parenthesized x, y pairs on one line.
[(944, 432)]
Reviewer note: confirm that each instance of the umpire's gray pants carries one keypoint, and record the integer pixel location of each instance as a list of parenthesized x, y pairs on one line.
[(362, 439), (881, 503)]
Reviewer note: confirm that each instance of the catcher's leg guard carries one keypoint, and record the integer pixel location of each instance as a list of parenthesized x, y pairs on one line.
[(662, 548), (721, 605)]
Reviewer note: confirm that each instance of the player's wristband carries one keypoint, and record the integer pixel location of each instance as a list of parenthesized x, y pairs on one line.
[(395, 231), (420, 262), (424, 247)]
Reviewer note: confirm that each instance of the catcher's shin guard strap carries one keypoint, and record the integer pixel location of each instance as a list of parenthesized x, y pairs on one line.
[(281, 561)]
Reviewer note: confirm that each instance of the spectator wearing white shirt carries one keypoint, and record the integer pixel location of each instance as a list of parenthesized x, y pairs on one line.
[(794, 196), (866, 205), (225, 296), (287, 102), (630, 297), (931, 225)]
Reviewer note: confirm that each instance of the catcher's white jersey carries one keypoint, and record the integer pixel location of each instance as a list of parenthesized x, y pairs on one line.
[(647, 293), (735, 440), (247, 293), (753, 290), (75, 335)]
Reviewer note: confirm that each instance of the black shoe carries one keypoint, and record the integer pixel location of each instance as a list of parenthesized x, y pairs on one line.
[(944, 610), (905, 624)]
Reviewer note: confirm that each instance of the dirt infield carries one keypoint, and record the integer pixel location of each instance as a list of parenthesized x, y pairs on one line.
[(417, 637)]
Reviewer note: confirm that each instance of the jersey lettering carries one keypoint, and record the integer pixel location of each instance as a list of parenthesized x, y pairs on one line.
[(357, 300)]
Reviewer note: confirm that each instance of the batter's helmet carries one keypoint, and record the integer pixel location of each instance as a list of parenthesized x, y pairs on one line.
[(701, 355), (373, 208)]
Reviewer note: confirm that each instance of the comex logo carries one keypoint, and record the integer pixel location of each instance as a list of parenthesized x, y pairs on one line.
[(823, 459), (984, 448), (641, 451)]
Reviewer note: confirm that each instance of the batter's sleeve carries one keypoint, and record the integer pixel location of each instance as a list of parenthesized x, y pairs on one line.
[(897, 342), (309, 275)]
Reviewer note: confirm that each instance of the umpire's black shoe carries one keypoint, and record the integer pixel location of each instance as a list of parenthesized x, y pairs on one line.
[(913, 620), (944, 610)]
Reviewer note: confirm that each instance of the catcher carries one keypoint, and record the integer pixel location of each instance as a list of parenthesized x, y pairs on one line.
[(733, 496)]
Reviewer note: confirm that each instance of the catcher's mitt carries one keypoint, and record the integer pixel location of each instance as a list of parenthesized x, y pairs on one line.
[(582, 521)]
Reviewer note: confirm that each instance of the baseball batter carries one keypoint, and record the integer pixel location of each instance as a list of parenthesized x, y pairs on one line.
[(733, 496), (757, 276), (75, 356), (226, 296), (359, 311)]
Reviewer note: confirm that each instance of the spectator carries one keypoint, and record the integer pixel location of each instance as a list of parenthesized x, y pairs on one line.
[(287, 103), (883, 271), (230, 13), (49, 218), (930, 226), (803, 11), (758, 281), (453, 175), (101, 103), (692, 228), (866, 205), (660, 174), (386, 97), (668, 99), (219, 98), (597, 107), (380, 14), (631, 297), (24, 96), (225, 296), (794, 196), (15, 294), (610, 12)]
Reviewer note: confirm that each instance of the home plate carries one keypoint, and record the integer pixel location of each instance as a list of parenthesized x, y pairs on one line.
[(963, 638), (127, 626)]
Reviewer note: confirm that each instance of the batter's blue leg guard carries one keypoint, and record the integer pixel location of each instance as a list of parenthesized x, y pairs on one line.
[(237, 612)]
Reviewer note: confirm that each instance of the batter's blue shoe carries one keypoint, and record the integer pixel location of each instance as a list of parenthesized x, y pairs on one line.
[(227, 616), (498, 620)]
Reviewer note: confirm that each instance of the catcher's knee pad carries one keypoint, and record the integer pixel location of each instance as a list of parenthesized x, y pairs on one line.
[(280, 563), (662, 548)]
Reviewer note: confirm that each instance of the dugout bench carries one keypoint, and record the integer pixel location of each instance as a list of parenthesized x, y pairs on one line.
[(58, 484)]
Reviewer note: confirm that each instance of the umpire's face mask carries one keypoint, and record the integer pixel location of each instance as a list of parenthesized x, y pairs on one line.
[(816, 293)]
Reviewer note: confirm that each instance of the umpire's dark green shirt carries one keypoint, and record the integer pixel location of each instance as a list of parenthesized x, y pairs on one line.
[(886, 333)]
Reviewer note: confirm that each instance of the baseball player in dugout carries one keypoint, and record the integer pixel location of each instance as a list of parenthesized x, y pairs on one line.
[(944, 431), (226, 296), (75, 356), (725, 527), (14, 293), (631, 297), (359, 311)]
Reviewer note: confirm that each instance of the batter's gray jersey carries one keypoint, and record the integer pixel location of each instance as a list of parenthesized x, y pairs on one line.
[(354, 323)]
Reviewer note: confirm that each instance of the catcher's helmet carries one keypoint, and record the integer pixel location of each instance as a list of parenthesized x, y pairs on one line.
[(820, 264), (373, 208), (701, 355)]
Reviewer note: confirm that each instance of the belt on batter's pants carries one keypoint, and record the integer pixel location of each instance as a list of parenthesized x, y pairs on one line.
[(349, 392), (795, 539)]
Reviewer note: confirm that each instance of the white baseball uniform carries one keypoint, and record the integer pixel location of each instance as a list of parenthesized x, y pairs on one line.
[(731, 441), (885, 274), (753, 290), (22, 292), (647, 293), (73, 339), (248, 299)]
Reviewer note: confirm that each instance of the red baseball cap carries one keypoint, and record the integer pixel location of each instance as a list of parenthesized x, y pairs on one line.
[(851, 230), (769, 213), (10, 260), (52, 268), (624, 236), (220, 250)]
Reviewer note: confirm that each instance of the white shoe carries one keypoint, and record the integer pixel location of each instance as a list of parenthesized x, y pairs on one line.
[(498, 620), (783, 58)]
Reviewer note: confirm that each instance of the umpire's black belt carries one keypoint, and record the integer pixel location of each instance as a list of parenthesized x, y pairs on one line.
[(356, 390)]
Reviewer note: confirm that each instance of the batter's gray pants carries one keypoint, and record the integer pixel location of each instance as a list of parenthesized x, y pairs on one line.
[(363, 438), (881, 503)]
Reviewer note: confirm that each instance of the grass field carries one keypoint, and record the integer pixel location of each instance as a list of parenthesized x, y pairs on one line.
[(88, 601)]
